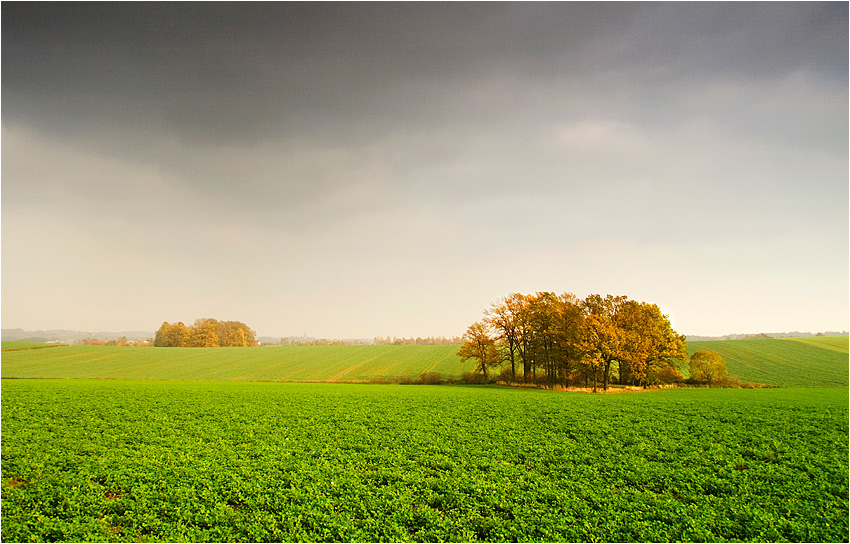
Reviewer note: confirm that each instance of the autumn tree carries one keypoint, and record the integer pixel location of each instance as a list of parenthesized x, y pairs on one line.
[(542, 314), (234, 334), (504, 317), (649, 345), (597, 343), (234, 338), (525, 332), (172, 335), (562, 336), (707, 366), (566, 335), (553, 335), (480, 346), (602, 340), (205, 332)]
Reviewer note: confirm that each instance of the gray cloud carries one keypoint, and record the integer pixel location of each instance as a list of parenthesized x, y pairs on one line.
[(361, 150), (209, 72)]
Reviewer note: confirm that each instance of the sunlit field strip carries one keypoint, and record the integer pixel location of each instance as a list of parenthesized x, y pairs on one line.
[(835, 343)]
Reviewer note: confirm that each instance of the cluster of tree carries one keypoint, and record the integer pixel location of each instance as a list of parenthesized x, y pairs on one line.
[(205, 333), (117, 342), (418, 341), (561, 339)]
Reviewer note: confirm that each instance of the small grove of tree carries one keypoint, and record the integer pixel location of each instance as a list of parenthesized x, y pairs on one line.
[(561, 339), (205, 333), (707, 367)]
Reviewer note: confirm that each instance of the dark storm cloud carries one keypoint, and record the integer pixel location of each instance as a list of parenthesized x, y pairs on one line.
[(169, 84), (218, 72)]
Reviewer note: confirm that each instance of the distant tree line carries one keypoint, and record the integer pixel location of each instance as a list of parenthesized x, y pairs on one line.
[(561, 339), (205, 333), (122, 341), (320, 342), (377, 341), (763, 335), (418, 341)]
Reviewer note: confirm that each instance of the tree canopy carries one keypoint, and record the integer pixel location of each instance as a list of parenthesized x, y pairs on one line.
[(480, 346), (561, 339), (707, 366), (205, 332)]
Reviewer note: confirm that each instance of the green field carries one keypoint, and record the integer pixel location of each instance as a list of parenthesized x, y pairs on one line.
[(26, 345), (307, 363), (786, 362), (792, 362), (110, 460)]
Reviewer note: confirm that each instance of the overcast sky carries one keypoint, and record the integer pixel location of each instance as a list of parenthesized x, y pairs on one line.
[(350, 170)]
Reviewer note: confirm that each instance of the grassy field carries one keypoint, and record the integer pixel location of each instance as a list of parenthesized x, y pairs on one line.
[(803, 362), (110, 460), (786, 362), (308, 363), (26, 345)]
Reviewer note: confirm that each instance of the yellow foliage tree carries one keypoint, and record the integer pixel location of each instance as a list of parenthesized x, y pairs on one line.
[(707, 366), (479, 345)]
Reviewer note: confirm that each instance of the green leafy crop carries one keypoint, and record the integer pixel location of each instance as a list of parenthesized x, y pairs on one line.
[(210, 461)]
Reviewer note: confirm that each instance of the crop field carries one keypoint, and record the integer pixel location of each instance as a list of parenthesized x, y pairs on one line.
[(786, 362), (111, 460), (296, 363), (26, 345), (792, 362)]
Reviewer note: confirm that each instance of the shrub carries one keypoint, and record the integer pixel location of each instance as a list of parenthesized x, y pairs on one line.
[(474, 378), (733, 382), (505, 376), (430, 378), (667, 374)]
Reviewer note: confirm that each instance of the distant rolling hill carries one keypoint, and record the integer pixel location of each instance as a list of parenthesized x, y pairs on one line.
[(787, 362), (820, 361)]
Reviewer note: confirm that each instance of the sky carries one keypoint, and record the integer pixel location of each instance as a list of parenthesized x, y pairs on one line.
[(351, 170)]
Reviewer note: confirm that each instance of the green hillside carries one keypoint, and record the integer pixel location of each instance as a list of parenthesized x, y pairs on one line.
[(786, 362), (298, 363)]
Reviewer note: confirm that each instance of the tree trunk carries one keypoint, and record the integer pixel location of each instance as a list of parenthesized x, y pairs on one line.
[(526, 363), (605, 377)]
